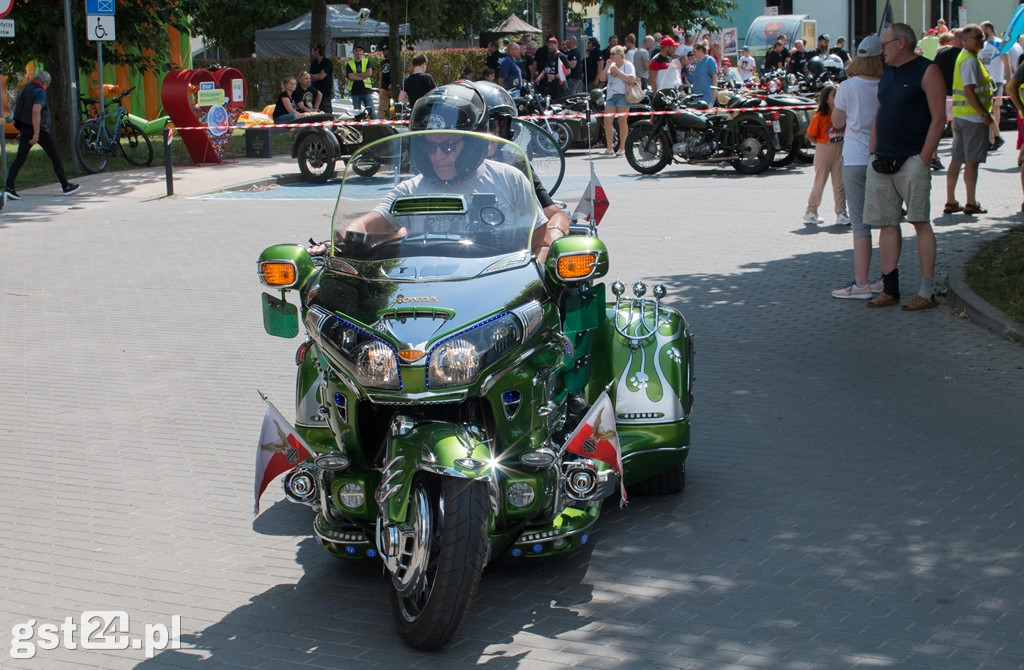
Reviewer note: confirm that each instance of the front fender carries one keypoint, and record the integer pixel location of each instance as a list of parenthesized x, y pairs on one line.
[(437, 447)]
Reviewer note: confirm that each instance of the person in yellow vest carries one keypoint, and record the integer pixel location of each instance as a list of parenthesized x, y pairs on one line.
[(972, 115), (359, 71)]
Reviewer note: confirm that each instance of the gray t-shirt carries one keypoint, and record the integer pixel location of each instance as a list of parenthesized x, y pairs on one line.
[(515, 194), (642, 63)]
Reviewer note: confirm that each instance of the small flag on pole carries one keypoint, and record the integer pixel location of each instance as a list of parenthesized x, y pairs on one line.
[(280, 449), (887, 19), (594, 202), (562, 71), (596, 438)]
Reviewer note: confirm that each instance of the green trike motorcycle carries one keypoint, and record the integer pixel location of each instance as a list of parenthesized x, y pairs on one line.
[(446, 374)]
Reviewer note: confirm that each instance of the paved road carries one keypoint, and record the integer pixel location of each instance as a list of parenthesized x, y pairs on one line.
[(854, 489)]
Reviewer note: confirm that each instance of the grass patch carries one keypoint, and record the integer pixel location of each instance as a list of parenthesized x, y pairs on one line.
[(996, 273), (38, 171)]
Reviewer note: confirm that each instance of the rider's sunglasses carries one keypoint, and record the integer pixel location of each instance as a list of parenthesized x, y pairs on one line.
[(448, 147)]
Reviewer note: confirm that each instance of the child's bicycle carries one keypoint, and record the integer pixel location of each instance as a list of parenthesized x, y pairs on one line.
[(98, 137)]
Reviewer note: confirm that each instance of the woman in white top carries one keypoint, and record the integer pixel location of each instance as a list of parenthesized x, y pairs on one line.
[(856, 103), (619, 72)]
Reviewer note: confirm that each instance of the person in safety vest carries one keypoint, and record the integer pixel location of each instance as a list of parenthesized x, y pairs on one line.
[(358, 71), (972, 115)]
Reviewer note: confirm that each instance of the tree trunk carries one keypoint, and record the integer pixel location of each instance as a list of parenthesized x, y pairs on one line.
[(550, 22), (318, 26), (624, 26), (58, 96)]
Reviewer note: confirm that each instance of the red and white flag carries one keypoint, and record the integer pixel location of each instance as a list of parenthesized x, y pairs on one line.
[(597, 438), (563, 71), (594, 202), (280, 449)]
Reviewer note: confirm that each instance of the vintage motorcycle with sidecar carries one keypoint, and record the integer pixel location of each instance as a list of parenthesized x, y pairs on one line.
[(692, 133), (319, 147), (444, 370)]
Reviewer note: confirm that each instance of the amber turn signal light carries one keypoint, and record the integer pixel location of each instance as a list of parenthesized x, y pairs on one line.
[(576, 266), (278, 273), (411, 355)]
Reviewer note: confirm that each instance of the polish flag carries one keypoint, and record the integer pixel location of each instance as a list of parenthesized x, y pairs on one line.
[(563, 72), (280, 450), (596, 438), (594, 202)]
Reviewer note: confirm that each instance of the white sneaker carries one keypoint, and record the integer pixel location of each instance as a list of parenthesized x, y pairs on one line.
[(877, 286), (811, 217), (853, 292), (842, 219)]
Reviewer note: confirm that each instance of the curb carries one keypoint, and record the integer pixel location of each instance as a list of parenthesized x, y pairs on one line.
[(961, 297)]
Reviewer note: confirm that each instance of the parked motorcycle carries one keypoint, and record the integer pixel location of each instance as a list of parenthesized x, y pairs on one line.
[(444, 373), (533, 104), (742, 139), (318, 148)]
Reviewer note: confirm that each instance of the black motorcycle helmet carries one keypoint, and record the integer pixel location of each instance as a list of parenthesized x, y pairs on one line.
[(815, 67), (500, 106), (454, 107)]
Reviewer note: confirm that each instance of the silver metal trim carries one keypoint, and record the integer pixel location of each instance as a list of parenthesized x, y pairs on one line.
[(584, 529), (626, 457)]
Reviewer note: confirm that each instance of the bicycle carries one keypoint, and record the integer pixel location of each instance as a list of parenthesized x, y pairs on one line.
[(100, 136)]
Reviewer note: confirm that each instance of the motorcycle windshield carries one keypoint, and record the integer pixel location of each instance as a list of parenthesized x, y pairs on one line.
[(447, 204)]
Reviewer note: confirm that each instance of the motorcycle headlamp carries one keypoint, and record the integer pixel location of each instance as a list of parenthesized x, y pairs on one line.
[(372, 361), (459, 358)]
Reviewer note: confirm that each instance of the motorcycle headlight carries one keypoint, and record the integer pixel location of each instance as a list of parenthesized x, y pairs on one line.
[(368, 358), (456, 360)]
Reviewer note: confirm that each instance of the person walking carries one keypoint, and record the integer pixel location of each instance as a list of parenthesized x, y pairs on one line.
[(828, 152), (972, 117), (908, 126), (665, 68), (855, 106), (31, 117)]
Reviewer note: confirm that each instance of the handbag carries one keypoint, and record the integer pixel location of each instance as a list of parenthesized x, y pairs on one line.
[(634, 93)]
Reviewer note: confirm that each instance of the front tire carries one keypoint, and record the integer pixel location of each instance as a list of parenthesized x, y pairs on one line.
[(450, 515), (316, 159), (647, 150), (755, 150), (559, 130)]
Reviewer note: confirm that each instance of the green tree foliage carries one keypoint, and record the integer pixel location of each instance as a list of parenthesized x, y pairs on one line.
[(232, 24), (41, 37), (661, 15)]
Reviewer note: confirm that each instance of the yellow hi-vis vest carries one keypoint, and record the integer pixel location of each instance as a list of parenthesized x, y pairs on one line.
[(983, 89)]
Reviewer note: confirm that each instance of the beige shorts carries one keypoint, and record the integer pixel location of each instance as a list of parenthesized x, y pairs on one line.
[(885, 194)]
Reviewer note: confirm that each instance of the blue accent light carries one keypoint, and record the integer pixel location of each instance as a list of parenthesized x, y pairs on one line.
[(349, 549), (371, 552), (516, 553), (537, 548), (584, 538)]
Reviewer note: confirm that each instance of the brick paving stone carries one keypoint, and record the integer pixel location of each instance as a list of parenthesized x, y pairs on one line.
[(851, 495)]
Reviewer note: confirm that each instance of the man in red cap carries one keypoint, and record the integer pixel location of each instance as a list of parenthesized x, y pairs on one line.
[(551, 79), (665, 69)]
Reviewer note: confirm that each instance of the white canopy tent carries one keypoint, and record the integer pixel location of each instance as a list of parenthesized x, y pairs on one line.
[(343, 23)]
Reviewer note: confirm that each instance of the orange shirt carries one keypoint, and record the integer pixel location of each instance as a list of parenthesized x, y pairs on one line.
[(822, 131)]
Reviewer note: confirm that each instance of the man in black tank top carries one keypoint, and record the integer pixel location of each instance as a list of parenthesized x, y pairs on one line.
[(911, 115)]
